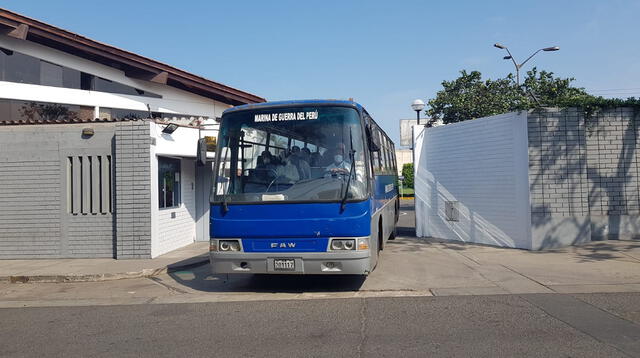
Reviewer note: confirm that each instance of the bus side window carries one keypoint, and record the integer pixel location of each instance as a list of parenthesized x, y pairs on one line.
[(385, 151), (392, 163), (395, 160), (374, 162), (377, 155), (387, 163)]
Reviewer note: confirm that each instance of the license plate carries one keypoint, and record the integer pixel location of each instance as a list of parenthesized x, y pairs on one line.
[(284, 264)]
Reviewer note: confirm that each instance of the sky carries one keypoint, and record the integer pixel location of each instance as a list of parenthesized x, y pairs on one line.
[(383, 54)]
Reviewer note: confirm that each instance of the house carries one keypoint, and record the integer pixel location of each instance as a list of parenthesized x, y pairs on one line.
[(98, 146)]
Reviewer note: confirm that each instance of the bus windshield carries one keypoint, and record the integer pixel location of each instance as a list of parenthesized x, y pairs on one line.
[(299, 154)]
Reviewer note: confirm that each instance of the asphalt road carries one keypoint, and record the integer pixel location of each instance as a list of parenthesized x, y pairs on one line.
[(163, 316), (545, 325)]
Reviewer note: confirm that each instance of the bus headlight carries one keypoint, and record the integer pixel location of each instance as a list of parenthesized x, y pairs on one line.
[(228, 245), (343, 244)]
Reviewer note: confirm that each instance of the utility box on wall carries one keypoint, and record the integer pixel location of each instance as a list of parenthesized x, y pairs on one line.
[(451, 210)]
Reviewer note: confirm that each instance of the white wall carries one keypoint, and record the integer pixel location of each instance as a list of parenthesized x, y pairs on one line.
[(403, 156), (176, 226), (169, 233), (173, 100), (482, 164)]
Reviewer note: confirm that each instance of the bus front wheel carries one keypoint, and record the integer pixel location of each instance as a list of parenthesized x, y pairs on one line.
[(380, 237)]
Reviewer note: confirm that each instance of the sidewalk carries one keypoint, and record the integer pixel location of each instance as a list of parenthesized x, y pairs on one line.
[(456, 268), (92, 270)]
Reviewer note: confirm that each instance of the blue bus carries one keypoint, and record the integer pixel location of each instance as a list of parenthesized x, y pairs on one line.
[(301, 187)]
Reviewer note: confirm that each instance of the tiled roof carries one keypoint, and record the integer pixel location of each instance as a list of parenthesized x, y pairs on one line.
[(132, 64)]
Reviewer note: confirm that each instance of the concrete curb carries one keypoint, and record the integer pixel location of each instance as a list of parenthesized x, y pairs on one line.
[(195, 262)]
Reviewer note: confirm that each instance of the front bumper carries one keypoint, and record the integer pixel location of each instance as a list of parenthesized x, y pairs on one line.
[(351, 263)]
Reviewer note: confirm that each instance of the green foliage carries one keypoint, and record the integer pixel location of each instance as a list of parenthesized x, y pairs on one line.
[(593, 105), (407, 173), (468, 96)]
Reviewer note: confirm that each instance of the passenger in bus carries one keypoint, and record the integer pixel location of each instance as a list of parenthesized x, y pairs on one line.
[(287, 173), (306, 155), (339, 165), (297, 158), (266, 169), (281, 158), (316, 159), (329, 155)]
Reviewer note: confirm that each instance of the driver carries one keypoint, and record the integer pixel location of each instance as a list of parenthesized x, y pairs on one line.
[(339, 164)]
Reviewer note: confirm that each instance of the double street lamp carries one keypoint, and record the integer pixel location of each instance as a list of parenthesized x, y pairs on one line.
[(519, 66)]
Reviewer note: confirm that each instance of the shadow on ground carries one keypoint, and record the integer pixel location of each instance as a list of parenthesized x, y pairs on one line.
[(598, 250), (408, 244), (201, 279), (406, 225)]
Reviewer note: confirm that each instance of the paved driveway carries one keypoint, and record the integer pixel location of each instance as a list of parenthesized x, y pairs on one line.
[(409, 267)]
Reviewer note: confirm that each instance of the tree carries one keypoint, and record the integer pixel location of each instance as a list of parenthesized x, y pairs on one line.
[(407, 173), (468, 96), (545, 90)]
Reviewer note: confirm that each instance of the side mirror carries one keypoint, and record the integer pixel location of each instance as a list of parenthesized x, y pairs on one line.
[(201, 155), (374, 143)]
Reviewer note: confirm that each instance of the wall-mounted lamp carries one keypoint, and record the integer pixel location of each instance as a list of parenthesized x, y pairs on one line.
[(87, 132), (170, 128)]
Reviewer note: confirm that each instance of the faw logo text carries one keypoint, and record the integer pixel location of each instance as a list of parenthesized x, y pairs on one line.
[(283, 245)]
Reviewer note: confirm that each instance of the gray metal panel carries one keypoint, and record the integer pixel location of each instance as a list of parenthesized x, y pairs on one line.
[(68, 183), (95, 184), (105, 171), (77, 187), (86, 184)]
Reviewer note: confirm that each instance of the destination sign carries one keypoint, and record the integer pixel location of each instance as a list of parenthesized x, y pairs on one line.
[(287, 116)]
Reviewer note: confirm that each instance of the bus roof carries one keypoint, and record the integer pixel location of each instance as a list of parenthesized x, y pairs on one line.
[(296, 103)]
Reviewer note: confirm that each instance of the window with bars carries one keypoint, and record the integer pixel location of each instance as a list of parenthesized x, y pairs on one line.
[(89, 184)]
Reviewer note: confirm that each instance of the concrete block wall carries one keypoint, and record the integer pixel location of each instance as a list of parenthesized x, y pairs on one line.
[(612, 170), (35, 218), (582, 175), (91, 236), (133, 190), (30, 222)]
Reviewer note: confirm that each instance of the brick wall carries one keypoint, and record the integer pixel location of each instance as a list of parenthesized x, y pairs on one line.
[(582, 175), (133, 190), (36, 220), (557, 161), (29, 208)]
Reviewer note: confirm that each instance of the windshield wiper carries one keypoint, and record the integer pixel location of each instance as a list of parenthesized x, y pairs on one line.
[(351, 170), (225, 207)]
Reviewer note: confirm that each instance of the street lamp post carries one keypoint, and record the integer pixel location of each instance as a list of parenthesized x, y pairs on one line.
[(519, 66), (417, 105)]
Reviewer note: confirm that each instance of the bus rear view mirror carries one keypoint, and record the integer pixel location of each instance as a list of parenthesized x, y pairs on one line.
[(201, 155)]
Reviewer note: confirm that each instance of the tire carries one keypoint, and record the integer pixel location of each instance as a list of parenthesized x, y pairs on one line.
[(392, 236), (397, 216), (380, 237)]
